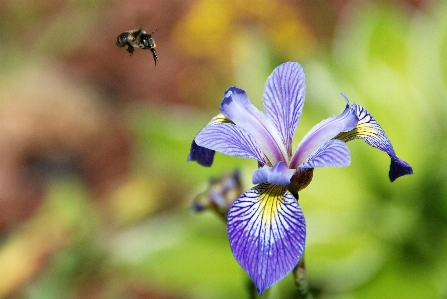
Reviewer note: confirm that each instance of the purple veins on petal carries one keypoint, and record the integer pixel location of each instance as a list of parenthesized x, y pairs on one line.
[(283, 99), (267, 233), (372, 133), (279, 174), (238, 108), (230, 140), (333, 153)]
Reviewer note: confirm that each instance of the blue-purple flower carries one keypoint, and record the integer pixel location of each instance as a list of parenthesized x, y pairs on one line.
[(266, 226)]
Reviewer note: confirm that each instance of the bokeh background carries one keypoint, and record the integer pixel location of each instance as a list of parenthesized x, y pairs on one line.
[(95, 190)]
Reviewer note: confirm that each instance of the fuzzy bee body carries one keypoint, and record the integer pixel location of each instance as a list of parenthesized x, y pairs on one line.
[(137, 38)]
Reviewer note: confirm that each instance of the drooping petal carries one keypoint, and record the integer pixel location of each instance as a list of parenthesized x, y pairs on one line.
[(231, 140), (283, 98), (279, 174), (238, 108), (333, 153), (323, 132), (369, 130), (267, 233), (202, 155)]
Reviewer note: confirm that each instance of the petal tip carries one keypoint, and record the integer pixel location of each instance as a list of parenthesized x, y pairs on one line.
[(201, 155), (399, 168), (233, 90), (346, 98)]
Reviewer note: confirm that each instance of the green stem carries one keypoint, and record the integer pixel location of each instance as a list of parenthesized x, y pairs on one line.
[(252, 291), (301, 284)]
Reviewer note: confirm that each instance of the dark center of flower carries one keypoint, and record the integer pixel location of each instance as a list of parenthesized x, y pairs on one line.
[(300, 180)]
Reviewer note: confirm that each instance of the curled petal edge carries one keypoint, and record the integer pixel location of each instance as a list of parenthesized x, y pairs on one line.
[(279, 174), (333, 153), (372, 133), (201, 155), (237, 106), (322, 133)]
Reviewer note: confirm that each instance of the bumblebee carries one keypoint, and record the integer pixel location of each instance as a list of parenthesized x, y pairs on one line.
[(137, 38)]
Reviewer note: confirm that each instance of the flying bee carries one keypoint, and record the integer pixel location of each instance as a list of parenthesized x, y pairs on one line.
[(137, 38)]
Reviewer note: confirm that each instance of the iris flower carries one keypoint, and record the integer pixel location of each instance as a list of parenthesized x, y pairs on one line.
[(266, 226)]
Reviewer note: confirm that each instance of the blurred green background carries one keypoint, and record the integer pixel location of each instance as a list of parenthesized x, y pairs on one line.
[(94, 186)]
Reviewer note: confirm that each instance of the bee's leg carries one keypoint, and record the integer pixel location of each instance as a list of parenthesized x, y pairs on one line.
[(154, 54), (129, 48)]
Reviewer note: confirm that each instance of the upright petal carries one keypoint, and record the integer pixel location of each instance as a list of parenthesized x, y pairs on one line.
[(267, 233), (323, 132), (333, 153), (369, 130), (279, 174), (231, 140), (202, 155), (283, 98), (238, 108)]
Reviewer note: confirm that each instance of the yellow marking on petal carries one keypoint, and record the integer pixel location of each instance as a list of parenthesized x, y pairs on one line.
[(270, 201), (360, 131), (220, 119), (366, 128)]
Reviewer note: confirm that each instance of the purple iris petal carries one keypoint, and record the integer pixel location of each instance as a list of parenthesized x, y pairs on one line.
[(333, 153), (323, 132), (237, 107), (230, 140), (267, 233), (202, 155), (399, 168), (369, 130), (283, 98), (279, 174)]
